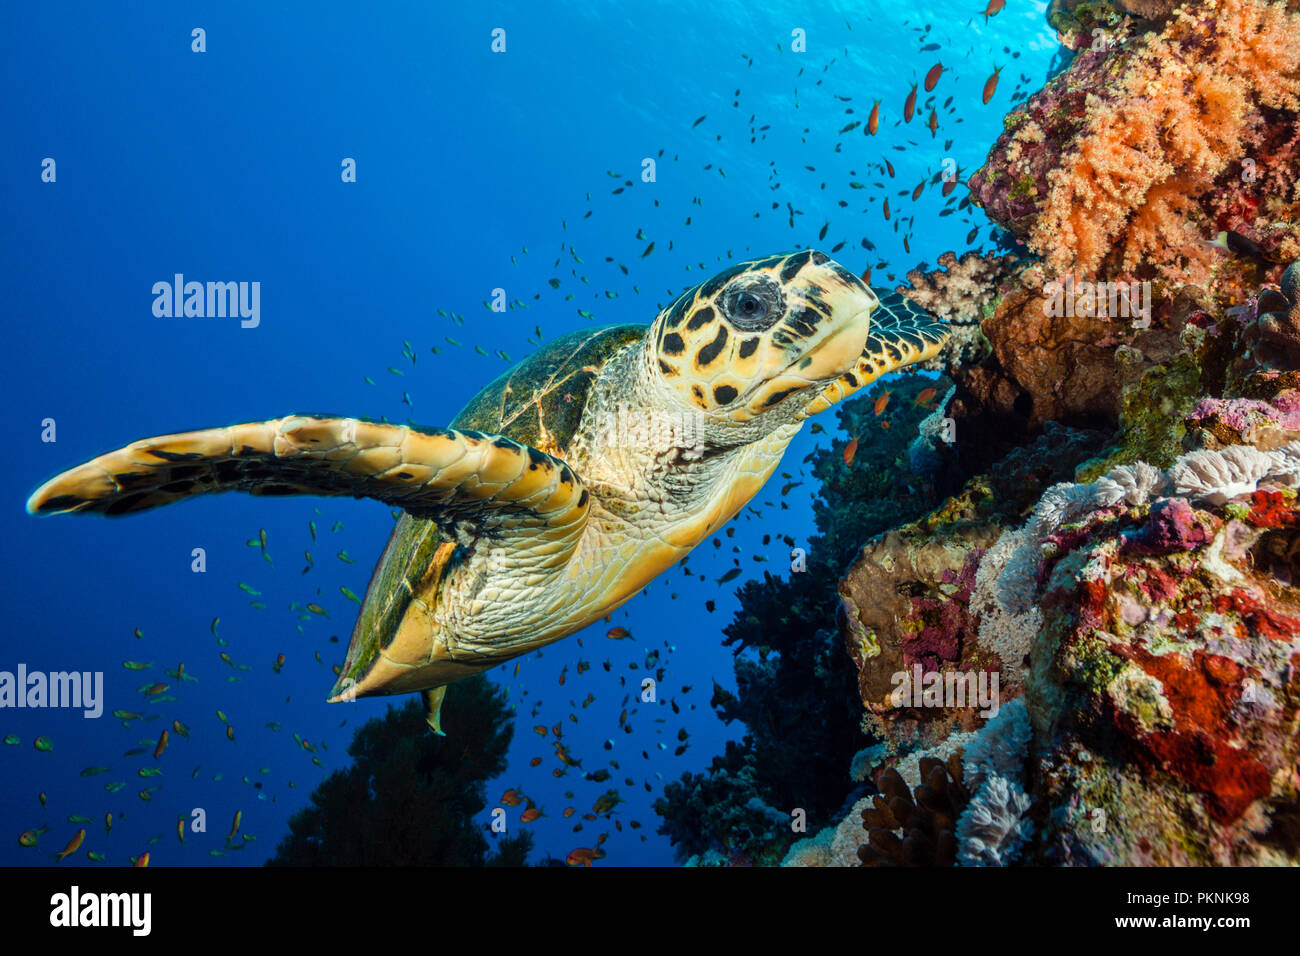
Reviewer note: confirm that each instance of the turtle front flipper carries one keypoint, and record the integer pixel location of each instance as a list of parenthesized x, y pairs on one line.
[(446, 475), (901, 334)]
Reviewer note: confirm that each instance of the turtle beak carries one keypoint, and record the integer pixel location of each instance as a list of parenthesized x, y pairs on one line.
[(839, 351), (832, 349)]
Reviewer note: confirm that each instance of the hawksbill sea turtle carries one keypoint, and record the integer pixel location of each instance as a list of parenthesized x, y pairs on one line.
[(567, 484)]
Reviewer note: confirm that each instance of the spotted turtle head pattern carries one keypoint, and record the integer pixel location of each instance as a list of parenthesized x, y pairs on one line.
[(753, 338)]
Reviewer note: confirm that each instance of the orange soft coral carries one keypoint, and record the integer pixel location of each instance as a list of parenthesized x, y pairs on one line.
[(1128, 190)]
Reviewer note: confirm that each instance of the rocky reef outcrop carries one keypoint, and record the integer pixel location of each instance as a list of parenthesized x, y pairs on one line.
[(1144, 628)]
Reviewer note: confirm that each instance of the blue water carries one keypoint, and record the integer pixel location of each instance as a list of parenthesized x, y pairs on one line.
[(225, 165)]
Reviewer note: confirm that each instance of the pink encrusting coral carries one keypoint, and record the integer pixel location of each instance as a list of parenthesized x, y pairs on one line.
[(1202, 708), (941, 621), (1172, 525), (1243, 413), (1170, 663)]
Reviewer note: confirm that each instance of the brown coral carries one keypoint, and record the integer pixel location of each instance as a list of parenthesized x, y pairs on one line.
[(1147, 9), (906, 828), (1074, 20), (1063, 361), (1274, 336)]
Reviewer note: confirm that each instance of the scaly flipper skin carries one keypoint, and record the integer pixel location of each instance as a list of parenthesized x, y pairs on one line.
[(450, 476), (901, 333)]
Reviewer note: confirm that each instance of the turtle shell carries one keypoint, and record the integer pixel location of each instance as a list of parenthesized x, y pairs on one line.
[(538, 402)]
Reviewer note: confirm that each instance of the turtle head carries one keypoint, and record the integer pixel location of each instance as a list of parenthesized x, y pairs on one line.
[(757, 340)]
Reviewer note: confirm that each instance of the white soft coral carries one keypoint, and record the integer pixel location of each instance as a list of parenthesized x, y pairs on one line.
[(992, 828), (1218, 476)]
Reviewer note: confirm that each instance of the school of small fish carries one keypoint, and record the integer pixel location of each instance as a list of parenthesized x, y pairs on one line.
[(160, 754)]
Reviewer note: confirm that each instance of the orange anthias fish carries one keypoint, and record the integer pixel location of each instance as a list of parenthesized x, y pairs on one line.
[(531, 814), (932, 78), (141, 861), (162, 745), (933, 124), (850, 450), (991, 84), (582, 856), (511, 798), (866, 275), (873, 121), (562, 752), (920, 188), (618, 633), (882, 402), (909, 107), (925, 396), (886, 208), (993, 9), (72, 846), (951, 183)]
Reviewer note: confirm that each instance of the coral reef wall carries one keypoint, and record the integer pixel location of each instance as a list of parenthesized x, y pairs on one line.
[(1159, 137), (1087, 654), (1076, 639)]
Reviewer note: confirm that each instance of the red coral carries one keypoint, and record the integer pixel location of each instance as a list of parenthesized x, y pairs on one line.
[(1202, 693), (1258, 618), (1095, 594), (1230, 779), (1271, 509), (1158, 585)]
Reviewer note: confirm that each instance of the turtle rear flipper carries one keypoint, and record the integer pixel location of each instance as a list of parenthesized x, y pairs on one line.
[(446, 475), (433, 709), (901, 333)]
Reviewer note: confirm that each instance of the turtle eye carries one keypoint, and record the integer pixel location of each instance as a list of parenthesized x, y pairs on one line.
[(749, 306), (752, 305)]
